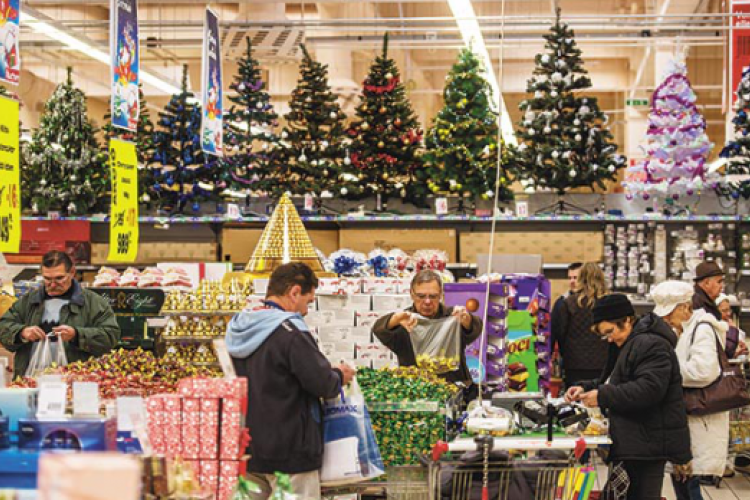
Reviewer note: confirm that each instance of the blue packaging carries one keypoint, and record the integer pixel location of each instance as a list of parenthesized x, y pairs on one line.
[(18, 469), (80, 434), (4, 433), (17, 404)]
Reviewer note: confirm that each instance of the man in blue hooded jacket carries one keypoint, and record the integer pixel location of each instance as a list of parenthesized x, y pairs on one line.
[(287, 377)]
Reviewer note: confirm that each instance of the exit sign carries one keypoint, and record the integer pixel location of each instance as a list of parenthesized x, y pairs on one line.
[(636, 102)]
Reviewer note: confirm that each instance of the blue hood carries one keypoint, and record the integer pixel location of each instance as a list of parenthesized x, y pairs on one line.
[(248, 330)]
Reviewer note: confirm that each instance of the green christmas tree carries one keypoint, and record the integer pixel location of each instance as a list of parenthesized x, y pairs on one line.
[(312, 151), (737, 150), (182, 174), (144, 141), (385, 136), (66, 168), (565, 140), (462, 150), (251, 146)]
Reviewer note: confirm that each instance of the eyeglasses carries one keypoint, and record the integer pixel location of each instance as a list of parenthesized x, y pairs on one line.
[(605, 335), (57, 279), (425, 296)]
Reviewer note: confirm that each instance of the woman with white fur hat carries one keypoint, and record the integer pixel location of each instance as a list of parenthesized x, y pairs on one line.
[(699, 365)]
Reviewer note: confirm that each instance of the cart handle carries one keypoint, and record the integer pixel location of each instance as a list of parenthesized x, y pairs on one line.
[(440, 448)]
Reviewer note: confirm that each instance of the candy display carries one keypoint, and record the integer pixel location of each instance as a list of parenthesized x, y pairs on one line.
[(200, 354), (213, 296), (129, 371), (171, 277), (196, 326)]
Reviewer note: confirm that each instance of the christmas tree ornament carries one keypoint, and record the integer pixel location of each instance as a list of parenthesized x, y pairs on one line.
[(381, 144), (347, 161), (547, 130), (383, 110), (302, 158), (259, 105), (365, 126), (554, 93), (72, 207), (284, 134), (555, 154), (389, 76), (344, 191), (145, 198), (577, 122), (545, 59), (397, 122), (578, 137)]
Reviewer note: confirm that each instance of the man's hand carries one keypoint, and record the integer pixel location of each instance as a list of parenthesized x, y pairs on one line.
[(682, 472), (590, 399), (33, 334), (347, 372), (741, 349), (405, 319), (463, 316), (573, 394), (65, 332)]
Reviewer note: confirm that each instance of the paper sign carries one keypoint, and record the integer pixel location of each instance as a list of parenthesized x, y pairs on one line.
[(441, 206), (233, 211), (225, 360), (309, 205), (53, 397), (10, 64), (85, 398), (522, 208), (125, 50), (10, 190), (123, 215), (129, 409)]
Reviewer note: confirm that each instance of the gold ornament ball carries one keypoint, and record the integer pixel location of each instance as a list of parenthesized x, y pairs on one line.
[(381, 144), (365, 126), (383, 110), (397, 122), (389, 76), (406, 141), (385, 177)]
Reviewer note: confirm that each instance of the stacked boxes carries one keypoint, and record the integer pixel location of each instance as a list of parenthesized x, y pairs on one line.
[(203, 424)]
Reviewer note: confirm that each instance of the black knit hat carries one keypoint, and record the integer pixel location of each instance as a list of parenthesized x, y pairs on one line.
[(612, 307)]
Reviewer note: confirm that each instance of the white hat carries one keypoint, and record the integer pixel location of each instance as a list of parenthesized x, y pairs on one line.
[(670, 294), (721, 298)]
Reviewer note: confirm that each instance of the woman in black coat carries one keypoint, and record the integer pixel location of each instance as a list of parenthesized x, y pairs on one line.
[(641, 392)]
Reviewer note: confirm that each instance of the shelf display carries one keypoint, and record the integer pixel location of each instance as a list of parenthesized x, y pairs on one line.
[(195, 354), (628, 257), (210, 296)]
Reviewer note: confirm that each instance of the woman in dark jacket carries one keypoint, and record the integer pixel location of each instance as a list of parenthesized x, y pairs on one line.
[(641, 393), (583, 353)]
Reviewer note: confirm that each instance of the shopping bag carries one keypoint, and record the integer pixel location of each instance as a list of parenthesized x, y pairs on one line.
[(46, 354), (437, 344), (351, 453)]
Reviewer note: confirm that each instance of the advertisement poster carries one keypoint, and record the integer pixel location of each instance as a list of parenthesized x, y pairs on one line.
[(123, 216), (211, 122), (10, 58), (10, 190), (125, 51)]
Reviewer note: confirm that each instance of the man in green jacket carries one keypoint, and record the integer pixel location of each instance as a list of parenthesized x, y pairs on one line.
[(64, 312)]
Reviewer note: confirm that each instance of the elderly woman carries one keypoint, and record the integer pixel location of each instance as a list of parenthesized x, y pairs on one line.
[(736, 345), (642, 395)]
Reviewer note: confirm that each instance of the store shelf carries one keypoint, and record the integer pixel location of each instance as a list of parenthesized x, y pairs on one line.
[(210, 365), (198, 314), (177, 338), (407, 406)]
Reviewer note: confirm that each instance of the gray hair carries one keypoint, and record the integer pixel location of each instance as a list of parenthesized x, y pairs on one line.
[(426, 276)]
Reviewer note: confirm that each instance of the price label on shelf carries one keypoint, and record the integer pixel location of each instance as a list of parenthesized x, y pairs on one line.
[(441, 206), (53, 397), (233, 211), (309, 204)]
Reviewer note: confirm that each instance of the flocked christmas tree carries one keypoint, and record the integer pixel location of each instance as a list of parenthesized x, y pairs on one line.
[(251, 151), (67, 170), (143, 139), (182, 173), (737, 151), (312, 151), (564, 139), (677, 146), (385, 136), (462, 146)]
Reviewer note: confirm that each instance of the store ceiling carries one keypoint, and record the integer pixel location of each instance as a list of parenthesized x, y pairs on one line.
[(614, 36)]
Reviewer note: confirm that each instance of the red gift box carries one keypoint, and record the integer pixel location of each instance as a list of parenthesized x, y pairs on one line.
[(209, 477), (209, 442), (213, 388), (231, 430)]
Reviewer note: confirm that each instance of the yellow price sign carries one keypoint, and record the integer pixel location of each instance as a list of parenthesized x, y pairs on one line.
[(123, 215), (10, 177)]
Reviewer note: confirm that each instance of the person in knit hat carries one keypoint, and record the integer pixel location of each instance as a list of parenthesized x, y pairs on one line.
[(641, 392)]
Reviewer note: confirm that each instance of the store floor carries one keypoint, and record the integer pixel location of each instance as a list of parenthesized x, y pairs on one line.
[(734, 488)]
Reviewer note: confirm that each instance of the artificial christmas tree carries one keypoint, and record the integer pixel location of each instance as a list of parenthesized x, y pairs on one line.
[(66, 169), (182, 175), (312, 149), (144, 141), (462, 150), (737, 151), (677, 145), (565, 142), (385, 136), (251, 146)]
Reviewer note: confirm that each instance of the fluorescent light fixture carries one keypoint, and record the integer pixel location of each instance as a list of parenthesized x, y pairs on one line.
[(88, 48), (466, 19)]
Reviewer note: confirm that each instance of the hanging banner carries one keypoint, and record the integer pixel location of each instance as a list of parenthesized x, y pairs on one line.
[(10, 178), (123, 215), (125, 53), (211, 122), (739, 48), (10, 54)]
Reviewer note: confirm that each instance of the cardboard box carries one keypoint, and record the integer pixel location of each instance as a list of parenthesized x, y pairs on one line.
[(330, 317), (39, 237), (408, 240), (154, 252), (93, 476), (339, 286), (339, 302), (510, 264), (391, 303), (381, 285), (368, 318), (351, 334), (238, 244), (555, 247)]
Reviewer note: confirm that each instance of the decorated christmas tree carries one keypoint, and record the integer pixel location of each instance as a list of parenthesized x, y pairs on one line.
[(312, 151), (251, 145), (676, 146), (182, 174), (144, 141), (462, 149), (737, 152), (565, 142), (385, 136), (66, 169)]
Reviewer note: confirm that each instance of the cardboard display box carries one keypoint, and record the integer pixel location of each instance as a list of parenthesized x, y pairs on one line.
[(554, 247), (237, 245), (409, 240), (39, 237)]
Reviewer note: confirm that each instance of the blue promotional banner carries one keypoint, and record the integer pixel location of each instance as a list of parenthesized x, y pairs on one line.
[(10, 55), (212, 118), (125, 53)]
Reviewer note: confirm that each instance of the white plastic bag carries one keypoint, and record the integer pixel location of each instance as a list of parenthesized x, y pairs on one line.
[(437, 344), (46, 354)]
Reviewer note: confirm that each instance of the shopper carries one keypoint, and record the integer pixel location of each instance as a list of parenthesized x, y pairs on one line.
[(287, 377), (61, 311), (583, 353), (736, 345), (642, 395), (393, 330), (574, 270), (709, 283)]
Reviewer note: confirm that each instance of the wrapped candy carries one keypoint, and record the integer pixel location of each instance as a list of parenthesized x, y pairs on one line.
[(436, 260), (348, 263), (378, 263), (107, 277), (130, 277), (399, 262)]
